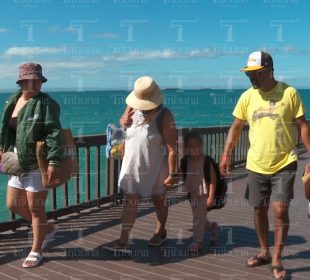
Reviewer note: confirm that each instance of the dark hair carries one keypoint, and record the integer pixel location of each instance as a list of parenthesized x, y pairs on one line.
[(192, 135)]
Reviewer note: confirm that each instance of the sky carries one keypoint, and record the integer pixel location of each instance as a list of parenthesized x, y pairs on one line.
[(107, 44)]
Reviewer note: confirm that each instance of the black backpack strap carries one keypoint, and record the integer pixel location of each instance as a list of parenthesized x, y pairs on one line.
[(184, 168), (206, 169)]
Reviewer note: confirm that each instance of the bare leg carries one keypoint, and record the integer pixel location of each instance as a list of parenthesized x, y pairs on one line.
[(161, 212), (129, 216), (199, 210), (36, 203), (17, 202), (262, 228), (280, 232)]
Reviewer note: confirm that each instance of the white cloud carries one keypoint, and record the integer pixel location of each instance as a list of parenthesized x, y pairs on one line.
[(71, 29), (8, 70), (30, 51), (53, 29), (71, 64), (3, 30), (162, 54), (56, 69), (106, 35)]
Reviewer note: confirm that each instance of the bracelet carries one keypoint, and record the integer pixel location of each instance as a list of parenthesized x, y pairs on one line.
[(173, 175)]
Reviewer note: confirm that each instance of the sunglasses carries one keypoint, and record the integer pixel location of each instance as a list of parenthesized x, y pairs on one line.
[(255, 73)]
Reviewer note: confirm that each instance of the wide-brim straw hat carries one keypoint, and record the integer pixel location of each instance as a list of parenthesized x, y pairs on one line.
[(30, 71), (146, 95)]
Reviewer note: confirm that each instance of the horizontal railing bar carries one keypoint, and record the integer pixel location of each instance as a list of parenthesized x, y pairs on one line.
[(90, 140)]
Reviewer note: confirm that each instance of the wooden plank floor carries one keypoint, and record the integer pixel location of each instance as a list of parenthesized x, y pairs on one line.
[(78, 253)]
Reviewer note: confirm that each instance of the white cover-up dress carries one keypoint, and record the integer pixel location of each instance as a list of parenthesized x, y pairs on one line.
[(145, 165)]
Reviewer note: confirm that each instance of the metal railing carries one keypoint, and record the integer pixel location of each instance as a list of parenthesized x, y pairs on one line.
[(213, 142)]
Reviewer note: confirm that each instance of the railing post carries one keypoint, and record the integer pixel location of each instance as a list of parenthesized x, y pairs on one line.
[(77, 185), (110, 178), (87, 174), (98, 173)]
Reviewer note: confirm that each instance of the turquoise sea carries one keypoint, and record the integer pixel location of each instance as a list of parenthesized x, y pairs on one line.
[(89, 112)]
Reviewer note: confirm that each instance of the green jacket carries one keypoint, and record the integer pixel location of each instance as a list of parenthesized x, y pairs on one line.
[(37, 120)]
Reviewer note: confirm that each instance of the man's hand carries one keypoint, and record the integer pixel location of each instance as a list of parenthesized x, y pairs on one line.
[(53, 173), (231, 141), (225, 165)]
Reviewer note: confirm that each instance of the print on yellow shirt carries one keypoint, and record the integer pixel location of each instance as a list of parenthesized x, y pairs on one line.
[(268, 112)]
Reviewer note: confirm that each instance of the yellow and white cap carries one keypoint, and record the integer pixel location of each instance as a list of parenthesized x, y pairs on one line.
[(258, 60)]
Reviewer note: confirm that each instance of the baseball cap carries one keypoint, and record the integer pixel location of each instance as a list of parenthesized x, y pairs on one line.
[(258, 60)]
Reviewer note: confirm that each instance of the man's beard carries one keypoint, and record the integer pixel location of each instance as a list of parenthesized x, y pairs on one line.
[(255, 83)]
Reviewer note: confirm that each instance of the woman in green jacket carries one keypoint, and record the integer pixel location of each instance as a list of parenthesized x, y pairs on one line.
[(30, 116)]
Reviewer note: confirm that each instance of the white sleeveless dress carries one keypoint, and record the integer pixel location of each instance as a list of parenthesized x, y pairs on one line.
[(145, 165)]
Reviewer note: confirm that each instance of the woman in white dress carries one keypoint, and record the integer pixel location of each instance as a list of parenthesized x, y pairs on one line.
[(149, 160)]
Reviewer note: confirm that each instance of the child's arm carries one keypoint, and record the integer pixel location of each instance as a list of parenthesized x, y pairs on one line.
[(212, 187)]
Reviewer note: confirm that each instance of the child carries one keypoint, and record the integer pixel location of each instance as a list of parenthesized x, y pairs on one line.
[(201, 192)]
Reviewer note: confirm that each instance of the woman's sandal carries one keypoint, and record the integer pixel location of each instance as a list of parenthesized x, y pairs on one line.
[(34, 257), (49, 237), (118, 247), (258, 261), (195, 247), (278, 268)]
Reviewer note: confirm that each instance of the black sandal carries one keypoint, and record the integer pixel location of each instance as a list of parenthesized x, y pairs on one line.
[(259, 261), (278, 268)]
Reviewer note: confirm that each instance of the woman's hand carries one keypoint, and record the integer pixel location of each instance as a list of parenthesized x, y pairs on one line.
[(126, 118), (169, 181), (53, 173), (210, 202)]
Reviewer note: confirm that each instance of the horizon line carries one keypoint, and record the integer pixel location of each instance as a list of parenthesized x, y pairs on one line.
[(4, 90)]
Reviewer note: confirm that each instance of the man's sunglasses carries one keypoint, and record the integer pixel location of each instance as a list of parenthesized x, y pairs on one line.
[(255, 73)]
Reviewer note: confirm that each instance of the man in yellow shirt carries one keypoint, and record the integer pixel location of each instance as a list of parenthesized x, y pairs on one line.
[(271, 109)]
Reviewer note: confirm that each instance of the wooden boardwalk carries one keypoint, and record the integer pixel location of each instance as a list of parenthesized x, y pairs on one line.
[(78, 253)]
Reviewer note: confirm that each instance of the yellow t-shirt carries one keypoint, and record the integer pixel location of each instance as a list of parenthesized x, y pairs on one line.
[(272, 135)]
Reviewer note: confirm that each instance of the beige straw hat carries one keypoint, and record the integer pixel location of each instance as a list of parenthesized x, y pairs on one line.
[(146, 95)]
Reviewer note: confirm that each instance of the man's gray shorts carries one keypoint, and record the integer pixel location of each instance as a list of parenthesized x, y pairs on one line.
[(265, 188)]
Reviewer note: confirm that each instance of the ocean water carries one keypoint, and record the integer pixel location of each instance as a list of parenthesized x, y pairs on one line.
[(89, 112)]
